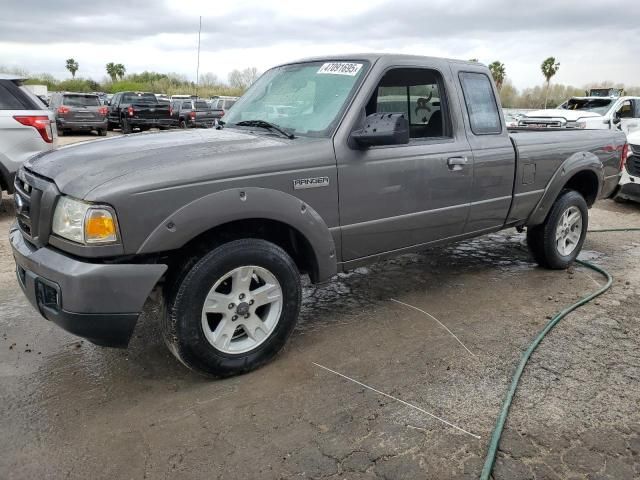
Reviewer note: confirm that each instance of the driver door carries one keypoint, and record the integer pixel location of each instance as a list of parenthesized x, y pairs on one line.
[(394, 197)]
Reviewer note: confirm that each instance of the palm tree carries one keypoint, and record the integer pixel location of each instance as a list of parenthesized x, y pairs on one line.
[(111, 71), (549, 68), (120, 70), (498, 72), (72, 66), (115, 71)]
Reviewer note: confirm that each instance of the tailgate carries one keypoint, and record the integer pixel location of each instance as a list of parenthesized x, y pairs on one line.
[(150, 111), (79, 114), (204, 115)]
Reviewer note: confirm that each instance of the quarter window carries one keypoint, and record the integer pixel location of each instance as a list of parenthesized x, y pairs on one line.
[(481, 103)]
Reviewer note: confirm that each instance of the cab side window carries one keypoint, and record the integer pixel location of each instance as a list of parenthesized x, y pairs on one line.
[(481, 103), (419, 94), (629, 109)]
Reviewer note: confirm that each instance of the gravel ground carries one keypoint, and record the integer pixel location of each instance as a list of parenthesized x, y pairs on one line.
[(69, 409)]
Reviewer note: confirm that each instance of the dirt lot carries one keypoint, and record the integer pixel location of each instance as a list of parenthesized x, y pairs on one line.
[(69, 409)]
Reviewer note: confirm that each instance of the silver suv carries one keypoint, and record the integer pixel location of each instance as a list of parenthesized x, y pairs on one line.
[(26, 128)]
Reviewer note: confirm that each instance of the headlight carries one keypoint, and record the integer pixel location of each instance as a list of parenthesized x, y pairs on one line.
[(83, 222)]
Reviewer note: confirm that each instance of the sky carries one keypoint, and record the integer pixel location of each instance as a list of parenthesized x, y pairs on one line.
[(593, 40)]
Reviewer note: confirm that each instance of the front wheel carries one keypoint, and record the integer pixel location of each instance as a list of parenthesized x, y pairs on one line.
[(557, 242), (232, 310)]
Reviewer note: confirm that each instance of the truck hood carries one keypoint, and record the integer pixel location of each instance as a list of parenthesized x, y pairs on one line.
[(569, 115), (78, 169)]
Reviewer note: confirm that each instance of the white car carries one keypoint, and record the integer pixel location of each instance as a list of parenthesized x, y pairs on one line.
[(629, 186), (27, 127), (594, 113)]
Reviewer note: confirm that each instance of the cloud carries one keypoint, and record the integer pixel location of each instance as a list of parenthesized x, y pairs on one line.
[(164, 34)]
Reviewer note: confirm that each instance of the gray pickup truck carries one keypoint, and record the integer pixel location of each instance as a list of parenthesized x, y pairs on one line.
[(365, 156)]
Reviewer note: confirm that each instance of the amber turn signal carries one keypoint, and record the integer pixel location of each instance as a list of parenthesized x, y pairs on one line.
[(99, 226)]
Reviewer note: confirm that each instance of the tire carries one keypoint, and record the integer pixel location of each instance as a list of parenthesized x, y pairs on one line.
[(126, 126), (198, 340), (102, 132), (61, 132), (547, 249), (182, 124)]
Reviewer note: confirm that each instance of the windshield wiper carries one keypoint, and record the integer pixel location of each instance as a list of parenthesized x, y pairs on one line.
[(267, 125)]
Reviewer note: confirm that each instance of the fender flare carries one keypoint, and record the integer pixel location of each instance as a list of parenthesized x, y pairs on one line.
[(235, 204), (576, 163)]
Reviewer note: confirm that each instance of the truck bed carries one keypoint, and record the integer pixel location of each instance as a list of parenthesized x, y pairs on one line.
[(541, 151)]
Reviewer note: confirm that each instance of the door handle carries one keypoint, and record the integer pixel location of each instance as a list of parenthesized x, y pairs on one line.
[(456, 163)]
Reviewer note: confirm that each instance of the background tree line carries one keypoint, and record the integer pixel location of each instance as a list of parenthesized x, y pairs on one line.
[(117, 80), (547, 94)]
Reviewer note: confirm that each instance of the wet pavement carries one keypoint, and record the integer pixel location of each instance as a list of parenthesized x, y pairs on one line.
[(69, 409)]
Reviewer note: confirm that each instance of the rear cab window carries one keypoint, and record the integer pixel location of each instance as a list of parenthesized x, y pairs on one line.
[(202, 105), (139, 98), (481, 104)]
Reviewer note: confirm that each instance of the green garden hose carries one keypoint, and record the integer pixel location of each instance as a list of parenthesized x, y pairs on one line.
[(504, 410)]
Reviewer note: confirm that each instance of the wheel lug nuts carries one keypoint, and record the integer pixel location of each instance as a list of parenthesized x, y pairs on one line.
[(250, 302), (241, 296), (247, 316), (231, 305), (235, 317)]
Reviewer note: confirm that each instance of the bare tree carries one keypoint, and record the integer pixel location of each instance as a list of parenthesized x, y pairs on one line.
[(209, 80), (243, 79)]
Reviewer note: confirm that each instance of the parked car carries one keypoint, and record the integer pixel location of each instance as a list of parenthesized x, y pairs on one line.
[(225, 232), (594, 112), (223, 103), (512, 119), (194, 113), (78, 112), (629, 188), (130, 110), (26, 128)]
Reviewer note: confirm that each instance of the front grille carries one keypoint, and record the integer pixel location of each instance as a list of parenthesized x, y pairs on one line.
[(633, 165), (542, 122), (22, 198), (35, 198)]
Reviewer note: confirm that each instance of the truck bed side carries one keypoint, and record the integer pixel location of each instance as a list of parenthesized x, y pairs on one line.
[(547, 160)]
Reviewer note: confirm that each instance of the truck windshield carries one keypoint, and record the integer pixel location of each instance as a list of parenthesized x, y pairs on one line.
[(305, 98), (595, 105)]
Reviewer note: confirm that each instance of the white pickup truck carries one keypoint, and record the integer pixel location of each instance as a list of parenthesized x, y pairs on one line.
[(593, 113), (629, 187)]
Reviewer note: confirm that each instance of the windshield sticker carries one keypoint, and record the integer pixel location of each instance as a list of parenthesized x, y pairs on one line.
[(341, 68)]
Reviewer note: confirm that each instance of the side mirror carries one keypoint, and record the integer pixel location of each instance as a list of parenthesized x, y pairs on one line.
[(616, 120), (382, 129), (108, 103)]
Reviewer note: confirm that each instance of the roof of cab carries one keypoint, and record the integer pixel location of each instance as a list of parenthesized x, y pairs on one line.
[(11, 76), (372, 57)]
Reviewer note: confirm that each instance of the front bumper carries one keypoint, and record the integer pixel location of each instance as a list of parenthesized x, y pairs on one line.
[(629, 187), (99, 302)]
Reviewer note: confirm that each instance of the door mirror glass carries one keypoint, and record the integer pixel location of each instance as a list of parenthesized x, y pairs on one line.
[(383, 129)]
